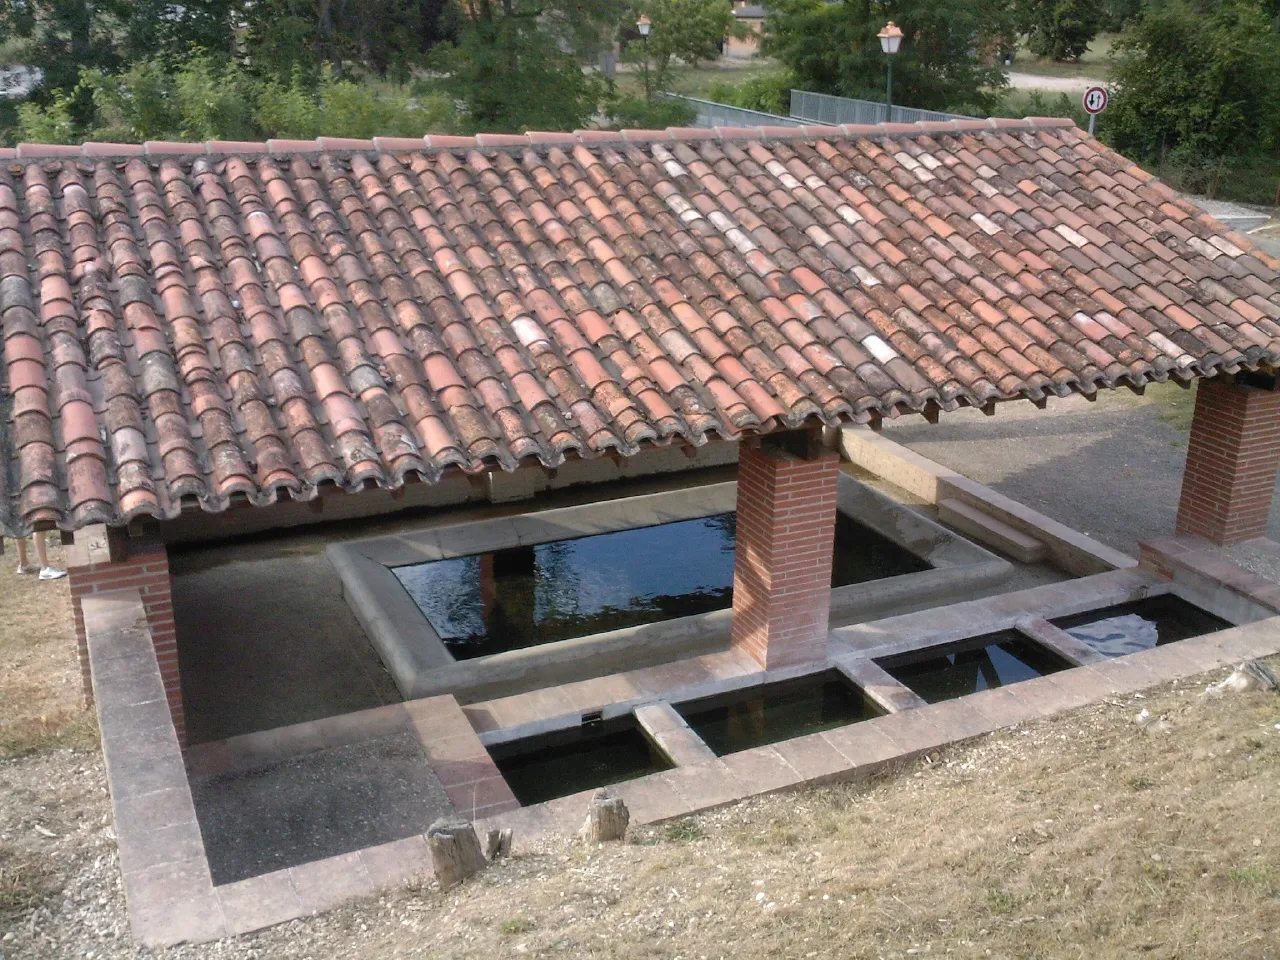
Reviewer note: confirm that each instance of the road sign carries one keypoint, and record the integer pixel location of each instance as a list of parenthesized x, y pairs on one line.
[(1095, 101)]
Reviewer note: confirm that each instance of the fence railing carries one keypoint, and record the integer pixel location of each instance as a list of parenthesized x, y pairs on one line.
[(826, 109), (806, 107), (711, 114)]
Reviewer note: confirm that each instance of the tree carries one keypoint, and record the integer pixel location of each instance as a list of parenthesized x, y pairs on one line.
[(1060, 29), (57, 36), (945, 61), (690, 30), (383, 36), (1198, 80), (509, 66)]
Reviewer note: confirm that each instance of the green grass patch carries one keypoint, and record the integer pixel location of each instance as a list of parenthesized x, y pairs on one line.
[(1094, 63), (516, 925), (684, 831)]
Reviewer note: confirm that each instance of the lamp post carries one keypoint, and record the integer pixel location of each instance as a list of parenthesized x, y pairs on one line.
[(643, 25), (890, 40)]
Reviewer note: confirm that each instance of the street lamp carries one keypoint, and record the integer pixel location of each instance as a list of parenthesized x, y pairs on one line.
[(890, 40), (643, 25)]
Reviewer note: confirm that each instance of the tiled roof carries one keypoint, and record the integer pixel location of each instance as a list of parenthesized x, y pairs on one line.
[(191, 324)]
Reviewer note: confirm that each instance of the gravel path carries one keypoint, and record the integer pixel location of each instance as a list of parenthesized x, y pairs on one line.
[(1111, 469), (1034, 81)]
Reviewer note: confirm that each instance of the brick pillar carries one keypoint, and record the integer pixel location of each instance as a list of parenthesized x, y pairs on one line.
[(100, 560), (1232, 457), (782, 567)]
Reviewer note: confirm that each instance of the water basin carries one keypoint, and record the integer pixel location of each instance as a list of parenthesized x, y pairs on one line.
[(1141, 625), (758, 715), (564, 762), (978, 663), (524, 596)]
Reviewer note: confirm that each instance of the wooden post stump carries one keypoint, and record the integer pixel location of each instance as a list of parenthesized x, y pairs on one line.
[(455, 851), (607, 819), (497, 844)]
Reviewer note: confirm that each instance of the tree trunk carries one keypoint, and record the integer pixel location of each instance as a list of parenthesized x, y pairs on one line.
[(607, 819), (455, 851)]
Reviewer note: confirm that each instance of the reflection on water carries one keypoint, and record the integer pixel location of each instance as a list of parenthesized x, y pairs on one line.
[(994, 660), (1130, 627), (775, 712), (569, 761), (525, 596)]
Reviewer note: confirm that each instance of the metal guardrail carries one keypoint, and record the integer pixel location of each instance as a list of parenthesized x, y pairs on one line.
[(711, 114), (823, 108)]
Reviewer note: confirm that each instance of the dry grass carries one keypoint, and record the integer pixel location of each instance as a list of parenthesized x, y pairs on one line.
[(40, 677), (1081, 836), (25, 882)]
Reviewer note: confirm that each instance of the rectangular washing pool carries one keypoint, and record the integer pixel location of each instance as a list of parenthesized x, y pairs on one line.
[(758, 715), (564, 762), (1141, 625), (978, 663), (525, 596)]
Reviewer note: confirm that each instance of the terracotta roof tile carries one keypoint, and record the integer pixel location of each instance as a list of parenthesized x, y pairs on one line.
[(188, 323)]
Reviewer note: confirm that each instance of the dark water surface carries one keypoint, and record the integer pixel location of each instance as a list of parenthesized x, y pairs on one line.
[(568, 761), (981, 663), (524, 596), (1141, 625), (774, 712)]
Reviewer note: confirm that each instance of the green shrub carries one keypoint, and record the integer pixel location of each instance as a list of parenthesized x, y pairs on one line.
[(343, 108), (768, 92), (634, 113), (49, 124)]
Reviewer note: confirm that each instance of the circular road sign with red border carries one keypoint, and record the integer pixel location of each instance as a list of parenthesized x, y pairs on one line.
[(1095, 100)]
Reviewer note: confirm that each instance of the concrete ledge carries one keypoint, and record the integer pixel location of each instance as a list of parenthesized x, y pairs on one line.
[(1209, 580), (1059, 641), (169, 891), (912, 632), (422, 666), (672, 735), (1069, 549)]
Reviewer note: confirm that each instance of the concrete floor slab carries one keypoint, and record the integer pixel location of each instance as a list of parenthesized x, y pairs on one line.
[(316, 806)]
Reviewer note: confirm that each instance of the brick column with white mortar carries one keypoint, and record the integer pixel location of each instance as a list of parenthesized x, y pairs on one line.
[(782, 567), (1232, 458), (100, 560)]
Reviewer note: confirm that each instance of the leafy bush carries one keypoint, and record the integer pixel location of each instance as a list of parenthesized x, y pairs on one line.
[(1198, 81), (206, 98), (635, 113), (342, 108), (1039, 103), (201, 99), (768, 92), (50, 124)]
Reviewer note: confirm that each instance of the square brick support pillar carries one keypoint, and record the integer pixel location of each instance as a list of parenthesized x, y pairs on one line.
[(102, 559), (782, 567), (1232, 458)]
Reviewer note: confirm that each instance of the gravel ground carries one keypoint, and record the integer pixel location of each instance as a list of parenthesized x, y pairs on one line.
[(1111, 468), (1082, 829), (1035, 81)]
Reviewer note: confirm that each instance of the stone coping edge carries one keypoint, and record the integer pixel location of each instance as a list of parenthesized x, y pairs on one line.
[(437, 143)]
